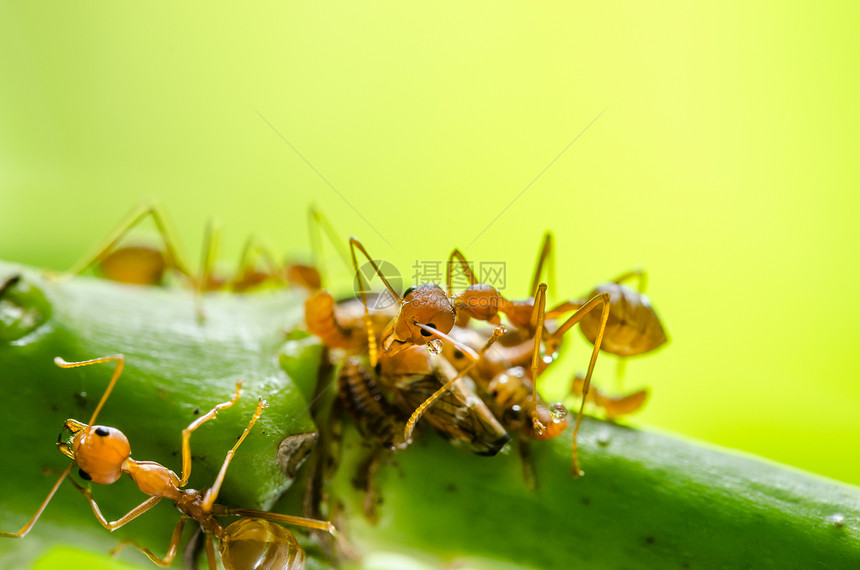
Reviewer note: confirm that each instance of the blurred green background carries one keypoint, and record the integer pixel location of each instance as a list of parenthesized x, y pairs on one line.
[(715, 146)]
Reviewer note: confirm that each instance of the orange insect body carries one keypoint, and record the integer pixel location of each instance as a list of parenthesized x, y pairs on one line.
[(426, 304), (99, 452), (614, 406), (103, 454), (262, 543), (502, 375), (136, 264), (633, 327), (341, 325)]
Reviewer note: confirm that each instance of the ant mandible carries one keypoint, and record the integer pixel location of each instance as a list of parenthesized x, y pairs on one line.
[(103, 454)]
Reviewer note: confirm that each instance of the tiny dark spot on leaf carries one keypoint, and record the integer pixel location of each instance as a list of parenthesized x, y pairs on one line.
[(586, 501), (196, 411), (649, 540), (451, 488)]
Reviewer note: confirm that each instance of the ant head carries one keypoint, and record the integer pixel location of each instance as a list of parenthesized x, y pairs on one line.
[(99, 451), (426, 304), (480, 301)]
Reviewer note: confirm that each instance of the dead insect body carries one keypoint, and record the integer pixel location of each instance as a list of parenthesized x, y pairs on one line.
[(103, 455), (381, 397), (423, 315)]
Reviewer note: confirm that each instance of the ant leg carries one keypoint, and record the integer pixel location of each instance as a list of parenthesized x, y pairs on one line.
[(317, 222), (552, 343), (547, 253), (371, 336), (536, 323), (247, 275), (211, 236), (120, 362), (26, 528), (471, 354), (186, 433), (637, 273), (277, 517), (614, 406), (123, 520), (146, 208), (212, 492), (171, 550), (464, 265), (210, 552), (525, 451)]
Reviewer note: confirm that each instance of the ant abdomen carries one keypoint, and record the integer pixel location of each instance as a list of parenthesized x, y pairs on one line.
[(135, 264), (633, 326), (257, 543)]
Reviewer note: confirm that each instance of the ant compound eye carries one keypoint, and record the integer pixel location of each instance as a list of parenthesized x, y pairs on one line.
[(84, 475), (425, 332), (102, 431), (409, 290)]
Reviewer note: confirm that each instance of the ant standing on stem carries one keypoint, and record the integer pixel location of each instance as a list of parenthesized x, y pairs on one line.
[(103, 454)]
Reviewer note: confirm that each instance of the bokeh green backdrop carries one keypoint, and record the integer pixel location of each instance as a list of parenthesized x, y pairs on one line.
[(716, 146)]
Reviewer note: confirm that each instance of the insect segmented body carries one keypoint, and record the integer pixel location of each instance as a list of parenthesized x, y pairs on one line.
[(103, 455), (148, 265)]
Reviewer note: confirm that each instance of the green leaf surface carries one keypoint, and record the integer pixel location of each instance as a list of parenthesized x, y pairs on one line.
[(647, 500)]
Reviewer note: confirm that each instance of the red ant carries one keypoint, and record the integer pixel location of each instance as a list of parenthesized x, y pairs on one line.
[(103, 454), (147, 265)]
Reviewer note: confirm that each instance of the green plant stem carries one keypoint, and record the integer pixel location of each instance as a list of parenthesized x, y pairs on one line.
[(647, 500)]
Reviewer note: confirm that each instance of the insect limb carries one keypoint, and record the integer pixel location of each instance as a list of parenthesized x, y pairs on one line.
[(171, 550), (637, 273), (123, 520), (538, 316), (254, 248), (547, 254), (553, 341), (525, 451), (210, 552), (186, 433), (464, 265), (26, 528), (145, 208), (120, 362), (471, 354), (212, 492), (371, 336), (316, 222), (286, 519)]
